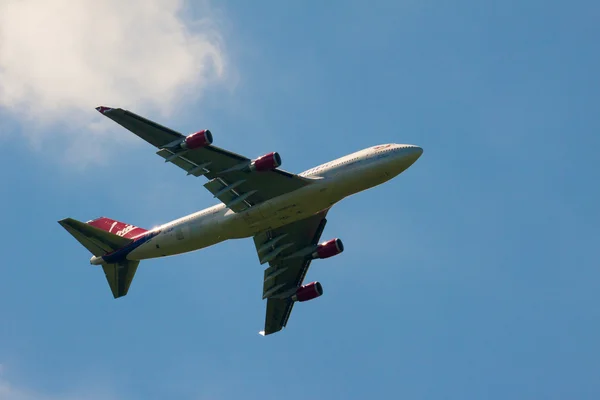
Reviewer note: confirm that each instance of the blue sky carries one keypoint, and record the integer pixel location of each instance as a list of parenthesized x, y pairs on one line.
[(472, 275)]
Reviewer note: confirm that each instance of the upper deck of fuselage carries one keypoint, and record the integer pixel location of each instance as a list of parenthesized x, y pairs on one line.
[(356, 158)]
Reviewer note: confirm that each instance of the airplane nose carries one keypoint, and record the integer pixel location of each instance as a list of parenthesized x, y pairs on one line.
[(413, 153), (407, 155), (403, 157)]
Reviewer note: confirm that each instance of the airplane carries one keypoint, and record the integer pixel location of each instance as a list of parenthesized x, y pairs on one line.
[(283, 212)]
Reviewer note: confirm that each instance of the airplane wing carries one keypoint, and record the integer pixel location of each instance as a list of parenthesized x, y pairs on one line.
[(288, 251), (235, 186)]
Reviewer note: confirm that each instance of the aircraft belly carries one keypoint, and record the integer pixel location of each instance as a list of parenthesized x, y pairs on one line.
[(181, 239), (288, 208), (147, 250)]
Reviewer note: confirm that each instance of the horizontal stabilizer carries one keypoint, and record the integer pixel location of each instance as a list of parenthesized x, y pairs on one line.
[(119, 276), (96, 240)]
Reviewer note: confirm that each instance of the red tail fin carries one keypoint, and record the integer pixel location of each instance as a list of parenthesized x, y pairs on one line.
[(117, 228)]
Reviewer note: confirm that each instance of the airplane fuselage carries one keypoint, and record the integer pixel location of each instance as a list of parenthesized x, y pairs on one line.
[(330, 183)]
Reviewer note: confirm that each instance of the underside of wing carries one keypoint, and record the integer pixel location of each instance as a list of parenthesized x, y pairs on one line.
[(289, 250), (237, 181)]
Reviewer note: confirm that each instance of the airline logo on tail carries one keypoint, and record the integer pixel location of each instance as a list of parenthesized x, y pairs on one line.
[(124, 231)]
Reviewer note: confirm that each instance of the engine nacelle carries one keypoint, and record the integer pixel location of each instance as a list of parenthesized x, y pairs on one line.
[(308, 292), (196, 140), (329, 248), (267, 162)]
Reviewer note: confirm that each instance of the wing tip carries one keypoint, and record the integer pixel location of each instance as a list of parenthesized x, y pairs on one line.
[(264, 333), (104, 109), (64, 222)]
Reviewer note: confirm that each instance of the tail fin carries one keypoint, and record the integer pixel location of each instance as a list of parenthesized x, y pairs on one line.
[(102, 236), (118, 228)]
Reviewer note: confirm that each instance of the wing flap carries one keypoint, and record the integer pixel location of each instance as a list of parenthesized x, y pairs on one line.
[(229, 193), (178, 160)]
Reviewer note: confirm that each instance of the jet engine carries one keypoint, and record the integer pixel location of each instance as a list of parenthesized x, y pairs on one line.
[(329, 248), (196, 140), (308, 292), (267, 162)]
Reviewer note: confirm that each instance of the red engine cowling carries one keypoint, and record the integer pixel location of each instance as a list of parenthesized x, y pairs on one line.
[(329, 248), (196, 140), (308, 292), (266, 163)]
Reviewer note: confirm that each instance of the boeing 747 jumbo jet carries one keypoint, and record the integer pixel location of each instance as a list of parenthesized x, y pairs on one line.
[(283, 212)]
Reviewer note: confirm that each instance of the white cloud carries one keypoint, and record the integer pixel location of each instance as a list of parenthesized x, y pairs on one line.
[(10, 391), (61, 58)]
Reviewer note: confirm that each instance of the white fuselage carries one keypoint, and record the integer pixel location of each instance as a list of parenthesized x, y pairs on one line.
[(332, 182)]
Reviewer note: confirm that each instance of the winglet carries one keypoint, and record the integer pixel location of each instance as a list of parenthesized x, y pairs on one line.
[(103, 110), (261, 333)]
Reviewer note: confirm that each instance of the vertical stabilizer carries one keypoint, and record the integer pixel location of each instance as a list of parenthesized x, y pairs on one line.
[(117, 228)]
